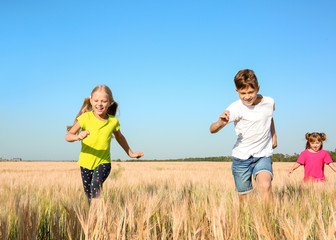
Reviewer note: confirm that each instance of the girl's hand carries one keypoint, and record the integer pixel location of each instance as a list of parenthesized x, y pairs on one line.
[(295, 166), (83, 134), (72, 135), (290, 172), (136, 154)]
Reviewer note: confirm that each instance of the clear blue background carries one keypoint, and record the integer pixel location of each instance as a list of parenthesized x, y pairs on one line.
[(170, 66)]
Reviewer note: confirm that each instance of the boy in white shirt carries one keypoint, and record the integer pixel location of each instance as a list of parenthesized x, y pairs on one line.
[(252, 115)]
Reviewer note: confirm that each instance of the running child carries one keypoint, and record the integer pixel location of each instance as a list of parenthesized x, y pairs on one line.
[(314, 158), (94, 126), (252, 115)]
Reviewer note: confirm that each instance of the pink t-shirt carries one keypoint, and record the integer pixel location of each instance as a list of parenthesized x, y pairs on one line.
[(314, 164)]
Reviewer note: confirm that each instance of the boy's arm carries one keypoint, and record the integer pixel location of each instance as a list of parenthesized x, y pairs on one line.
[(222, 121), (274, 136), (332, 166)]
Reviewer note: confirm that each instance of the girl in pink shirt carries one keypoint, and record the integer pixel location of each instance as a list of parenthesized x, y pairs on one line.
[(314, 158)]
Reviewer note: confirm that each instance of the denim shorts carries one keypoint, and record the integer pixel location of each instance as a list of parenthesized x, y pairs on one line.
[(243, 170)]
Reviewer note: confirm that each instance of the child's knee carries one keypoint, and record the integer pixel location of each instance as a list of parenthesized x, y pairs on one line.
[(265, 185), (264, 181)]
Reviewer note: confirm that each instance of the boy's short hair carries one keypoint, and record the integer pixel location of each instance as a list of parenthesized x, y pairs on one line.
[(246, 78)]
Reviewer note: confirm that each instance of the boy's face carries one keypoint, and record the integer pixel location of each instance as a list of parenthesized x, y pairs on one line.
[(248, 95)]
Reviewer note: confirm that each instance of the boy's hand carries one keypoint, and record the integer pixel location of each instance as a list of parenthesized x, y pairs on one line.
[(83, 134), (222, 121), (225, 116)]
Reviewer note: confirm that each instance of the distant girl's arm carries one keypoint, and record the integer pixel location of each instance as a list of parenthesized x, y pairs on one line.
[(295, 166), (72, 135), (274, 136), (332, 166), (222, 121), (123, 143)]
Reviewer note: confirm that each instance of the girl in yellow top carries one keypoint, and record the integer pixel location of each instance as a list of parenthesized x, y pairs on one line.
[(97, 123)]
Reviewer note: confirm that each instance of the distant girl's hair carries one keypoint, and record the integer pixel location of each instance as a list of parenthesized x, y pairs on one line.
[(246, 78), (312, 137), (87, 107)]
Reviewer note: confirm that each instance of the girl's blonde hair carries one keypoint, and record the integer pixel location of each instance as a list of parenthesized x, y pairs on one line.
[(87, 107), (312, 137)]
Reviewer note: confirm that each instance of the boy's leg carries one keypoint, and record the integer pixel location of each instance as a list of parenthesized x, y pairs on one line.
[(264, 182), (242, 197), (100, 174), (242, 173), (263, 173)]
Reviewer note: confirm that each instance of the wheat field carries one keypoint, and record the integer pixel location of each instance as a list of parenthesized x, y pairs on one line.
[(160, 200)]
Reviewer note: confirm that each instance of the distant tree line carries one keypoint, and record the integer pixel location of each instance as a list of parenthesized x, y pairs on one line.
[(277, 157), (11, 160), (206, 159)]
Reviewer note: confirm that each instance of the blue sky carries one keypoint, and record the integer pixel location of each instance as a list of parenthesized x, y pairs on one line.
[(170, 66)]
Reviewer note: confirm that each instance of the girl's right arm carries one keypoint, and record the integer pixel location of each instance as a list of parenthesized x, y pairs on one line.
[(295, 166), (72, 135), (222, 121)]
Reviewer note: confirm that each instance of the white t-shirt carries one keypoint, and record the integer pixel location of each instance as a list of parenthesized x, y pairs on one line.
[(253, 128)]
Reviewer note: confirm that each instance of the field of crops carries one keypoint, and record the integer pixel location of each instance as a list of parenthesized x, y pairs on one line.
[(165, 200)]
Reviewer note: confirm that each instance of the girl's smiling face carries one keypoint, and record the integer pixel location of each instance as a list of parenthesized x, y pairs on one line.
[(315, 146), (100, 103)]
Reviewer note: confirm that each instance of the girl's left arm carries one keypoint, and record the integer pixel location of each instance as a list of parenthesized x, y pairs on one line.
[(332, 166), (123, 143), (274, 136)]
